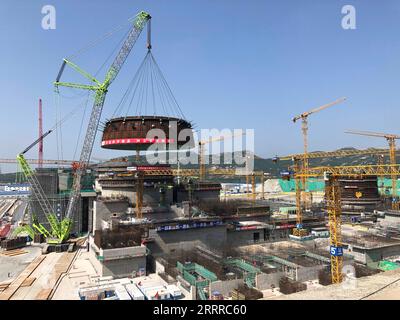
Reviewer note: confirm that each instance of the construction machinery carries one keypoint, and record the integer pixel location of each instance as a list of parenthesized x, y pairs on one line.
[(391, 139), (296, 158), (334, 208), (338, 154), (42, 161), (304, 127), (59, 229), (100, 89), (192, 173)]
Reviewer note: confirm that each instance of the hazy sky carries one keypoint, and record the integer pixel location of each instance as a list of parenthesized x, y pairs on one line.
[(231, 64)]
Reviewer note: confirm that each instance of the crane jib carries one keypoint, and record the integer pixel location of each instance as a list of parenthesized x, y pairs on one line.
[(36, 141), (61, 70), (101, 90)]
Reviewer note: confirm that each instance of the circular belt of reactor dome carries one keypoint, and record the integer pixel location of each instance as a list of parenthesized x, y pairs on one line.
[(132, 133)]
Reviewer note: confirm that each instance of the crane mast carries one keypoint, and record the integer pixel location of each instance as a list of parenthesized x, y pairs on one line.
[(334, 208), (298, 231), (100, 94)]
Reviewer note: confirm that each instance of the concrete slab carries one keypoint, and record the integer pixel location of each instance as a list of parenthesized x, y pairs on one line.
[(11, 267)]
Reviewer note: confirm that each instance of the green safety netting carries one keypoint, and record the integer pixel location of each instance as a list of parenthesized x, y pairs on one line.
[(313, 185), (388, 265), (384, 185)]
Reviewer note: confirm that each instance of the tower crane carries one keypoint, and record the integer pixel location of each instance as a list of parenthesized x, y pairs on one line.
[(391, 139), (304, 127), (338, 154), (334, 208), (100, 89), (296, 158)]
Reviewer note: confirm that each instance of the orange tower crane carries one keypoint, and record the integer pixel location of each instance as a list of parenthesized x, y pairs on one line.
[(391, 138), (296, 158), (304, 127), (333, 202)]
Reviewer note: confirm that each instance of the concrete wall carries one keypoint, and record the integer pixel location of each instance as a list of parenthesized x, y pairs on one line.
[(308, 273), (382, 253), (367, 256), (160, 268), (151, 196), (212, 195), (170, 241), (225, 287), (264, 280), (123, 267), (215, 238), (358, 256), (103, 211), (120, 253), (246, 237), (243, 237), (118, 268)]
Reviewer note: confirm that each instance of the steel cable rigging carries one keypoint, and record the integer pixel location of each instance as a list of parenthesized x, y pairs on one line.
[(148, 93)]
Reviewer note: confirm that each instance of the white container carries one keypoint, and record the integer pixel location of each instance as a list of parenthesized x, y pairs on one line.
[(134, 292), (174, 291), (122, 294)]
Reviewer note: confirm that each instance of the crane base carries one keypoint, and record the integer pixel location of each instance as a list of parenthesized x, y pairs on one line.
[(62, 247)]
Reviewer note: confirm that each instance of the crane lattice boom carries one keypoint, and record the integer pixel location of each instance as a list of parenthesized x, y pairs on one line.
[(101, 91), (332, 191)]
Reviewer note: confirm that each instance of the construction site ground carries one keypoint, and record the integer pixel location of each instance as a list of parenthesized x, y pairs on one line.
[(382, 286), (82, 272), (12, 266), (39, 278)]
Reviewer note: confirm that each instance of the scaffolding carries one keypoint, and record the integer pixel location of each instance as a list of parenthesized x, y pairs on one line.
[(249, 272), (197, 276)]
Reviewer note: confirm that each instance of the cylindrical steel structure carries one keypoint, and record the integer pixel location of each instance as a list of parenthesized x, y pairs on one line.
[(358, 193), (140, 132)]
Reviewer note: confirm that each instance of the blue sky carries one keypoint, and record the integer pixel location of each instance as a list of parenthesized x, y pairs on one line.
[(231, 64)]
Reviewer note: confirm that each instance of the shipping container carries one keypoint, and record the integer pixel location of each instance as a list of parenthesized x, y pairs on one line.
[(134, 292)]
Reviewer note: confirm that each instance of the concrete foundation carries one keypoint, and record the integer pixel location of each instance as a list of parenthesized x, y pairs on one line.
[(119, 262)]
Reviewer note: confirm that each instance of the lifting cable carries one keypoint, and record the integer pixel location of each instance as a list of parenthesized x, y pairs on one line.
[(87, 94), (81, 126), (168, 87), (60, 122), (146, 90), (57, 126), (99, 40)]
